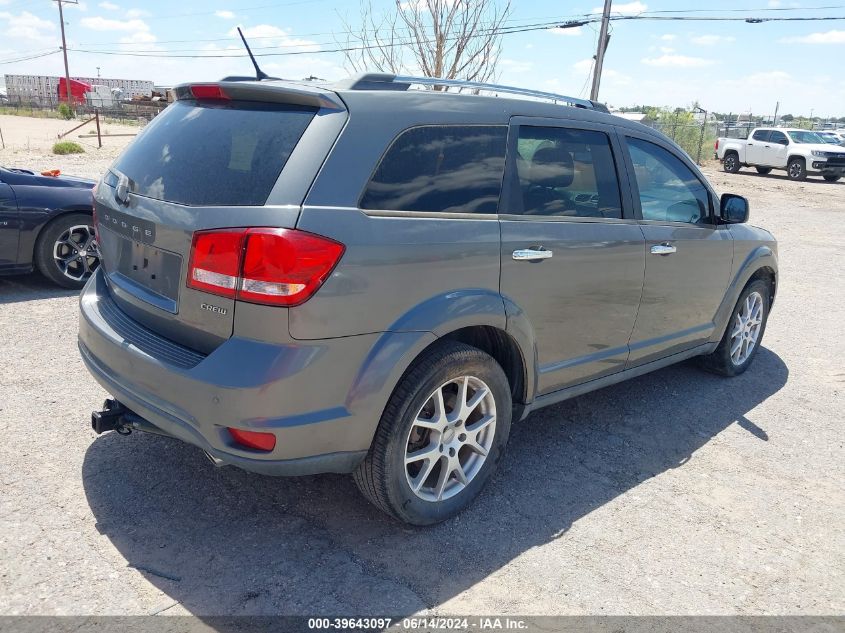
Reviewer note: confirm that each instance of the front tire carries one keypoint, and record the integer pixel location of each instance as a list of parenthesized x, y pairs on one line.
[(440, 437), (797, 169), (744, 333), (763, 170), (731, 163), (66, 251), (831, 177)]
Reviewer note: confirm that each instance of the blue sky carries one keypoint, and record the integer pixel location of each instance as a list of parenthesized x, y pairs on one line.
[(726, 66)]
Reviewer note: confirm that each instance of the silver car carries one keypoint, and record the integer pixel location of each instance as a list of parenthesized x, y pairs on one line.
[(373, 279)]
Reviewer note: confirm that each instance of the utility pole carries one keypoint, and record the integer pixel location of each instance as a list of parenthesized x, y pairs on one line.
[(64, 47), (777, 107), (602, 47), (98, 72)]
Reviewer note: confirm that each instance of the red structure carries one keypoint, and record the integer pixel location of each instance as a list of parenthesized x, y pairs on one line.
[(77, 90)]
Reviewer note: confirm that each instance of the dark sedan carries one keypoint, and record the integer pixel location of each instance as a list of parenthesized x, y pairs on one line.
[(45, 224)]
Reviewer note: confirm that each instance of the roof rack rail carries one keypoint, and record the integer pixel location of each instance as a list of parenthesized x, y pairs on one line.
[(387, 81)]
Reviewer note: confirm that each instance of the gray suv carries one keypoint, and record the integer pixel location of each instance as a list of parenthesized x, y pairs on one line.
[(376, 279)]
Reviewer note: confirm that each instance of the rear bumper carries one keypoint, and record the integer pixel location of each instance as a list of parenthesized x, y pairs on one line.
[(297, 391)]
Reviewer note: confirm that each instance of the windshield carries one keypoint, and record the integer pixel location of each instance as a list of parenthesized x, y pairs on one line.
[(805, 137)]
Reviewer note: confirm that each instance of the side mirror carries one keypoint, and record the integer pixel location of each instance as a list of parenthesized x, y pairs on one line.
[(784, 141), (733, 209)]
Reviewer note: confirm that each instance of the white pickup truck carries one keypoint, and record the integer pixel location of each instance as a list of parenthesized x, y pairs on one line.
[(799, 152)]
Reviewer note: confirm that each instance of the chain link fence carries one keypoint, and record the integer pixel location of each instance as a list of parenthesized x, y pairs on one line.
[(696, 138), (127, 112)]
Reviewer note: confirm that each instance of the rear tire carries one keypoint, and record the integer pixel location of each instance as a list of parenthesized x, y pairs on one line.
[(797, 169), (831, 177), (744, 332), (65, 252), (763, 170), (731, 162), (456, 447)]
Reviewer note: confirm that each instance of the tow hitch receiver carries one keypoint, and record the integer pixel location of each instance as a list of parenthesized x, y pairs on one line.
[(110, 418)]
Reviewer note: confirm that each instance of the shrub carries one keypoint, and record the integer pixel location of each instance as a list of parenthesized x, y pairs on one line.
[(68, 147), (65, 112)]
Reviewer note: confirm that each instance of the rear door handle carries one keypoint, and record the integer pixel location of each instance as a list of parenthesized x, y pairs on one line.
[(530, 254), (663, 249)]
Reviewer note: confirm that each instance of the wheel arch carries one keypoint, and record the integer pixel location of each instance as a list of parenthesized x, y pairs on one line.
[(476, 317), (760, 263)]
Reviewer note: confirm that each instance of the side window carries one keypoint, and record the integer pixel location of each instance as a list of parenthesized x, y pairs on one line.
[(669, 191), (761, 135), (566, 172), (440, 168), (779, 138)]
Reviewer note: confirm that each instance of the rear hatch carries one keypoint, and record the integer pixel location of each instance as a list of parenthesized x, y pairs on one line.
[(213, 159)]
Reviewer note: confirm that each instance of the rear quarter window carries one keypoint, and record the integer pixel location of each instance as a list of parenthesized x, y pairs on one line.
[(440, 168), (227, 153)]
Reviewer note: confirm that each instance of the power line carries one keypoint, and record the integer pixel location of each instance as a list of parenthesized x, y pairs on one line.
[(555, 19), (507, 31), (24, 59)]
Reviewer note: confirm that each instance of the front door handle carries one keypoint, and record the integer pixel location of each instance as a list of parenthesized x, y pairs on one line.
[(663, 249), (530, 254)]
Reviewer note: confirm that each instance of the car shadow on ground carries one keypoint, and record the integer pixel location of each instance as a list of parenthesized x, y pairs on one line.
[(226, 542), (17, 288), (781, 175)]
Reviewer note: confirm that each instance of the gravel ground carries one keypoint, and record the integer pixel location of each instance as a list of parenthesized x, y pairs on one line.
[(674, 493)]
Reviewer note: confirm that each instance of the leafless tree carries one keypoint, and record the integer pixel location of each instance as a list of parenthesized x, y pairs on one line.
[(453, 39)]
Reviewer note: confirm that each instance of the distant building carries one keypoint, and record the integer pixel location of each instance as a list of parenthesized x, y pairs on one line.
[(43, 89)]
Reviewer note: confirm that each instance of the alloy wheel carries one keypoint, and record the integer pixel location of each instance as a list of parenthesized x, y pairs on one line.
[(747, 326), (450, 438), (76, 253)]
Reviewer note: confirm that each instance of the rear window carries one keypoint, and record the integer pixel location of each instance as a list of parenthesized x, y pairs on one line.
[(442, 168), (214, 153)]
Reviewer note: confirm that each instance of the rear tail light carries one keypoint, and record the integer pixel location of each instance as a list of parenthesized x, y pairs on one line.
[(253, 439), (216, 261), (716, 146), (262, 265)]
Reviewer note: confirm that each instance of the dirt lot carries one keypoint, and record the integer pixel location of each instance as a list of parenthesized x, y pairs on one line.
[(675, 493), (29, 140)]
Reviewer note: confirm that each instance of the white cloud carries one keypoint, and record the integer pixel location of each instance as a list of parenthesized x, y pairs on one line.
[(99, 23), (137, 13), (228, 15), (676, 61), (768, 78), (583, 66), (575, 30), (270, 35), (711, 40), (668, 37), (108, 6), (515, 66), (828, 37), (666, 49), (630, 8), (139, 37), (27, 26)]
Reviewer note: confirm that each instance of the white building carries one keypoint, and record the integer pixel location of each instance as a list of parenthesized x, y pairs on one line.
[(43, 89)]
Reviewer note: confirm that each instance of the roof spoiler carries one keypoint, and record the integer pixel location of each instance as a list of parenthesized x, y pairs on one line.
[(267, 92)]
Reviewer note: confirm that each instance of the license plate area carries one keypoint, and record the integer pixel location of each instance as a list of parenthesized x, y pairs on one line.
[(149, 273)]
